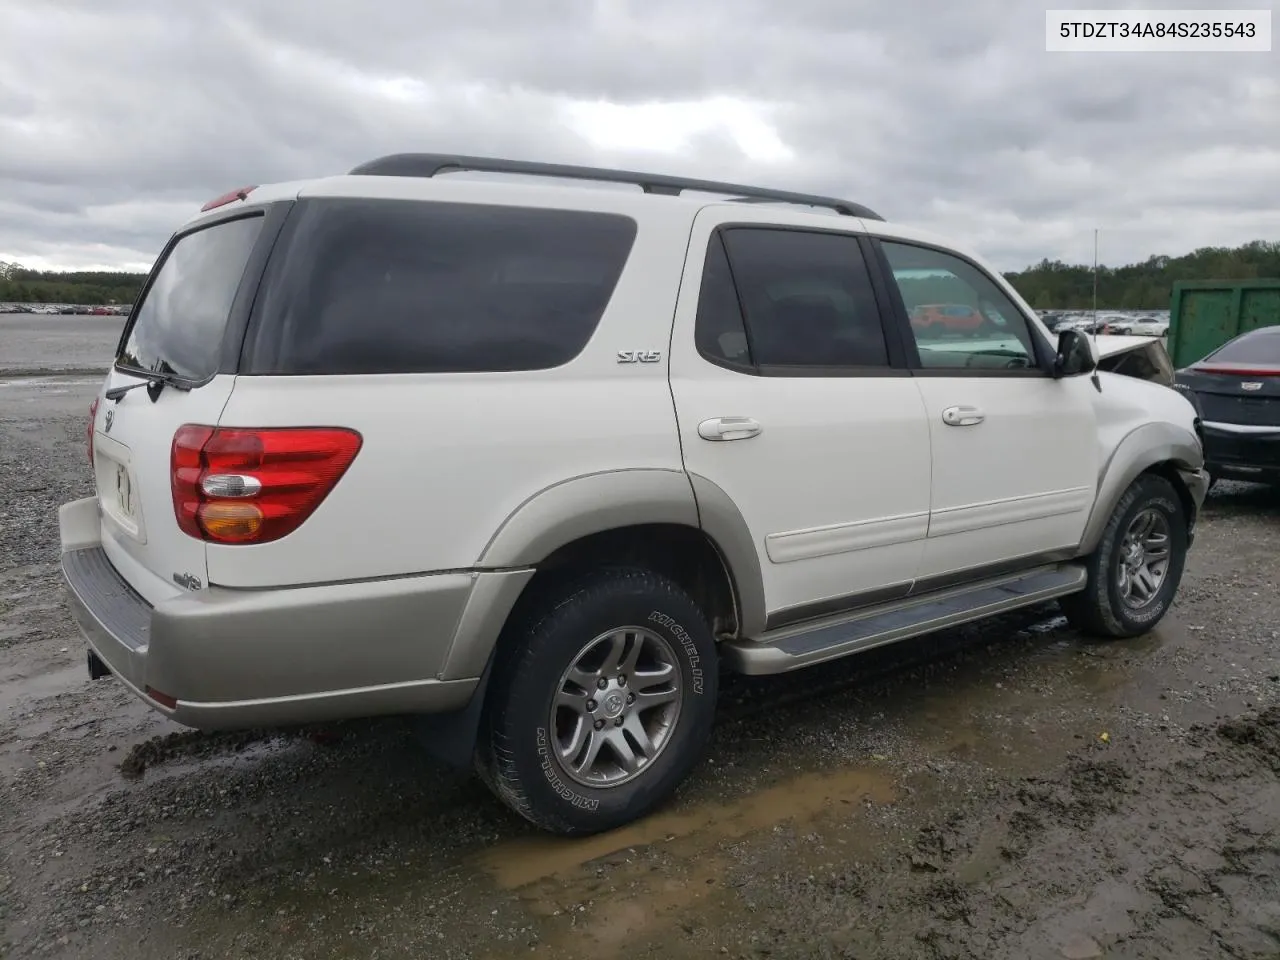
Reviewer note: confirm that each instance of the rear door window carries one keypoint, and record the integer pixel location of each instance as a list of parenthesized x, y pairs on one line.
[(807, 300), (388, 286), (178, 327), (720, 334)]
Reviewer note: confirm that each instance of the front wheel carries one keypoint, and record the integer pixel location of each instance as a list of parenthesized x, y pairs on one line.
[(1137, 566), (602, 704)]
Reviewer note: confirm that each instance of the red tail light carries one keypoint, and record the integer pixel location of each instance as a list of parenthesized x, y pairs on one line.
[(1240, 371), (88, 431), (234, 485)]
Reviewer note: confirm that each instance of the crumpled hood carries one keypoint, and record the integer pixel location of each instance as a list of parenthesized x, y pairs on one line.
[(1113, 343)]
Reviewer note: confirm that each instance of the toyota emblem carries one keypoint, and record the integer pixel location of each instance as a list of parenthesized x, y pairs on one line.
[(1251, 385), (108, 420)]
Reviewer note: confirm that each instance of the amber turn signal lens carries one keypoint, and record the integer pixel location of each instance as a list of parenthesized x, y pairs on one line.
[(231, 521)]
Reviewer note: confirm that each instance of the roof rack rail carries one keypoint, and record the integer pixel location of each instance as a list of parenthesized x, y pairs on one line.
[(430, 164)]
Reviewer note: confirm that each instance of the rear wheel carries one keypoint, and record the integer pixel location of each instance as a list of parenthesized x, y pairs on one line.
[(1135, 571), (603, 703)]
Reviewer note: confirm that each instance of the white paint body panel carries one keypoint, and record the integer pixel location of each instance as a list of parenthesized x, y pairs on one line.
[(445, 460), (1020, 482), (1127, 403), (835, 488)]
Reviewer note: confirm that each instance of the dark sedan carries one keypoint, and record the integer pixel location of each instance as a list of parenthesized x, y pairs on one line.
[(1236, 391)]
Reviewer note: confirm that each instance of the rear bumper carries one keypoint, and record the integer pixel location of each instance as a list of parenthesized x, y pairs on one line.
[(219, 658), (1242, 452)]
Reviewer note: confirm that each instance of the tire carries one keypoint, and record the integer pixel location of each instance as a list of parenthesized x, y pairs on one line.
[(1101, 608), (519, 749)]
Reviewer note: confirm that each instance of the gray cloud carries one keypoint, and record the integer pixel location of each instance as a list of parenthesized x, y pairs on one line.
[(117, 120)]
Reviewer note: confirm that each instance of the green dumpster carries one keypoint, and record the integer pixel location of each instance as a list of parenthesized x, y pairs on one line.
[(1205, 314)]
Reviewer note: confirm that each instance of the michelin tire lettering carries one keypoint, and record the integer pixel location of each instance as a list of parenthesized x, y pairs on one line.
[(562, 789), (686, 641)]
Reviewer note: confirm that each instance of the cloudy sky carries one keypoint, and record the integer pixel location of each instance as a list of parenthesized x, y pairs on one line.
[(118, 118)]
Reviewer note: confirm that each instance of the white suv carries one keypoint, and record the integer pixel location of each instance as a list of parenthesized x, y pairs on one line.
[(540, 458)]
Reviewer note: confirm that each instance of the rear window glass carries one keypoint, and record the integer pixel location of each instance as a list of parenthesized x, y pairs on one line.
[(807, 298), (389, 286), (178, 327), (1262, 347)]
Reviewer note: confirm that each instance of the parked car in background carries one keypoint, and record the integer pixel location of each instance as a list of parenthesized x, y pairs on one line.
[(1148, 327), (1054, 321), (941, 319), (1236, 392)]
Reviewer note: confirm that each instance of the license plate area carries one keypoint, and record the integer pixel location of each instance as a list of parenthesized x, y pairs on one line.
[(118, 494), (124, 491)]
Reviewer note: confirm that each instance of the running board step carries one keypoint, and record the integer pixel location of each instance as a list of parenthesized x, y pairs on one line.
[(803, 645)]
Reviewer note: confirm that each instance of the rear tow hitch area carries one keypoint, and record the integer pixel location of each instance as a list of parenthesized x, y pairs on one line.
[(97, 669)]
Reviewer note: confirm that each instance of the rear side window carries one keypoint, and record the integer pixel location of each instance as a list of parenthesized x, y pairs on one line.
[(1262, 347), (178, 327), (719, 333), (389, 286), (807, 299)]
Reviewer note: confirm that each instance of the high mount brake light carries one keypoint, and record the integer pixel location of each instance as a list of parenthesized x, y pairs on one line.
[(240, 193), (243, 485)]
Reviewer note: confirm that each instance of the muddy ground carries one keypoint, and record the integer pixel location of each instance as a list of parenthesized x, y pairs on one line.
[(1005, 791)]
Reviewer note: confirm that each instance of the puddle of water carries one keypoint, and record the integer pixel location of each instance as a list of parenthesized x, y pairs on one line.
[(525, 860), (653, 875), (616, 921)]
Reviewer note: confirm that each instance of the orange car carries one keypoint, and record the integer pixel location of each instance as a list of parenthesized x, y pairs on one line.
[(953, 317)]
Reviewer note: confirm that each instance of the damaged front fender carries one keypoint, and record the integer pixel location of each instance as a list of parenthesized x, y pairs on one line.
[(1145, 358)]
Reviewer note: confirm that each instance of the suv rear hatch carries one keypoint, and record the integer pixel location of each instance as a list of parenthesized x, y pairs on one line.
[(182, 335)]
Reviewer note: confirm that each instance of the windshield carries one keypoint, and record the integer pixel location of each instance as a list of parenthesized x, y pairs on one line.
[(177, 329)]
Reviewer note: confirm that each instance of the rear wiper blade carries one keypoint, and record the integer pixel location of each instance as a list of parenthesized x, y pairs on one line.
[(154, 383), (115, 393)]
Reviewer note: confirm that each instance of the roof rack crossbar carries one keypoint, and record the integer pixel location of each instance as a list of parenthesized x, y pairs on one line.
[(430, 164)]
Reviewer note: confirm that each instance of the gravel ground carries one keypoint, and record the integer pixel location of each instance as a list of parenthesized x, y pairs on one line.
[(1005, 790)]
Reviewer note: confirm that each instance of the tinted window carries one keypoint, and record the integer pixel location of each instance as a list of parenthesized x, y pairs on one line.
[(959, 317), (179, 325), (1262, 347), (807, 298), (720, 334), (387, 286)]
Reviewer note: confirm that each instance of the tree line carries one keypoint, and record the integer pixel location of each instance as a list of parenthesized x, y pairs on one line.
[(90, 288), (1048, 285), (1054, 285)]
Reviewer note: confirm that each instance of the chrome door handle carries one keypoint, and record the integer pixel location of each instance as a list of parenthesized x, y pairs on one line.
[(962, 416), (729, 428)]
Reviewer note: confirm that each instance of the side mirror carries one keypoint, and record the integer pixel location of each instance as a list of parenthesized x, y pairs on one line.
[(1075, 355)]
